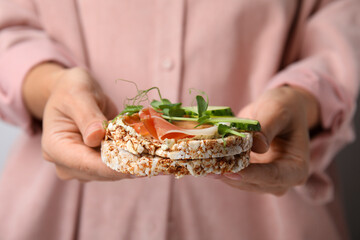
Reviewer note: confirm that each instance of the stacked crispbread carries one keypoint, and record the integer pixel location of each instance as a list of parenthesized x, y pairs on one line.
[(126, 151)]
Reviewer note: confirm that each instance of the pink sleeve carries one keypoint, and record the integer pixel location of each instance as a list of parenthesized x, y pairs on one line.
[(329, 68), (23, 45)]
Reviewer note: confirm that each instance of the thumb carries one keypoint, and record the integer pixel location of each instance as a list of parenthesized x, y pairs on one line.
[(260, 143), (271, 123), (89, 118), (95, 132)]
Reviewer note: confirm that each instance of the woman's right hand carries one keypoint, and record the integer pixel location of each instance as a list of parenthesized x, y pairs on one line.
[(72, 107)]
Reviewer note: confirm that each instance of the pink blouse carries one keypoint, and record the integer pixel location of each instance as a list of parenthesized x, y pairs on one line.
[(233, 50)]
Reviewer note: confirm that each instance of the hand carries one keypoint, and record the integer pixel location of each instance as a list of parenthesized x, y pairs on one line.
[(72, 122), (280, 157)]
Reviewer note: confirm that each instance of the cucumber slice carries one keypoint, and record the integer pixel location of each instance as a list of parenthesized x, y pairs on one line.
[(246, 126), (211, 111), (234, 122), (238, 123)]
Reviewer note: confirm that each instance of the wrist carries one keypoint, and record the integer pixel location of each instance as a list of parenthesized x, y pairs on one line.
[(38, 85)]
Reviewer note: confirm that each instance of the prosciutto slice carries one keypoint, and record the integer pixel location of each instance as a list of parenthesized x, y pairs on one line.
[(161, 129)]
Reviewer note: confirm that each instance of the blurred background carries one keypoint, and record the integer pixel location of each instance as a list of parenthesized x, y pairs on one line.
[(348, 162)]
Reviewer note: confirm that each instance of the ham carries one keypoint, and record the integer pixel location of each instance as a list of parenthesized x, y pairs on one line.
[(150, 122), (134, 122)]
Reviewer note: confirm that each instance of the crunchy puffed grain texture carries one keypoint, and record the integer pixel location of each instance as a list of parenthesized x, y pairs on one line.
[(148, 165), (127, 139)]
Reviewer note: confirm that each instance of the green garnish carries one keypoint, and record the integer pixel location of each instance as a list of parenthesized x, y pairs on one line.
[(221, 116), (238, 123), (211, 111), (131, 109), (133, 105), (167, 108), (141, 95), (224, 130), (156, 104), (202, 106)]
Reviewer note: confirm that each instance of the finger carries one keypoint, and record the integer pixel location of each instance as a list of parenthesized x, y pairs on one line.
[(95, 132), (88, 117), (68, 150), (260, 143), (81, 99), (277, 173), (251, 187), (65, 173), (273, 118)]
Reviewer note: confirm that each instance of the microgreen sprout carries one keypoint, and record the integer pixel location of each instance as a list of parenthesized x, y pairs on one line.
[(141, 95), (198, 92)]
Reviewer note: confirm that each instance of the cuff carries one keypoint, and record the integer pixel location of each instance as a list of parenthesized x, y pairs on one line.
[(15, 63)]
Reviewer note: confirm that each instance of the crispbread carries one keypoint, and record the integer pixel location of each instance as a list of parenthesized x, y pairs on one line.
[(127, 139), (148, 165)]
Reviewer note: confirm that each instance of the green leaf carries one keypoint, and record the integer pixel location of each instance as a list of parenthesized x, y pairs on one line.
[(170, 106), (166, 111), (202, 105), (131, 109), (167, 108), (223, 130), (202, 120), (176, 112), (155, 103), (164, 103)]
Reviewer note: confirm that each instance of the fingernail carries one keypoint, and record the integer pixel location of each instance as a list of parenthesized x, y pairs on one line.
[(234, 176), (92, 128), (94, 134)]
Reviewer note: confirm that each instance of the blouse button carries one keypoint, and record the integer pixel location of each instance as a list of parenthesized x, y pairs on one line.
[(167, 64)]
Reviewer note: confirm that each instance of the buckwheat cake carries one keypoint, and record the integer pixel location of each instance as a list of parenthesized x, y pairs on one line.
[(166, 138)]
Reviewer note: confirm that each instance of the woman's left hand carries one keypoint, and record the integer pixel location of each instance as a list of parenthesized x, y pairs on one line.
[(280, 155)]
